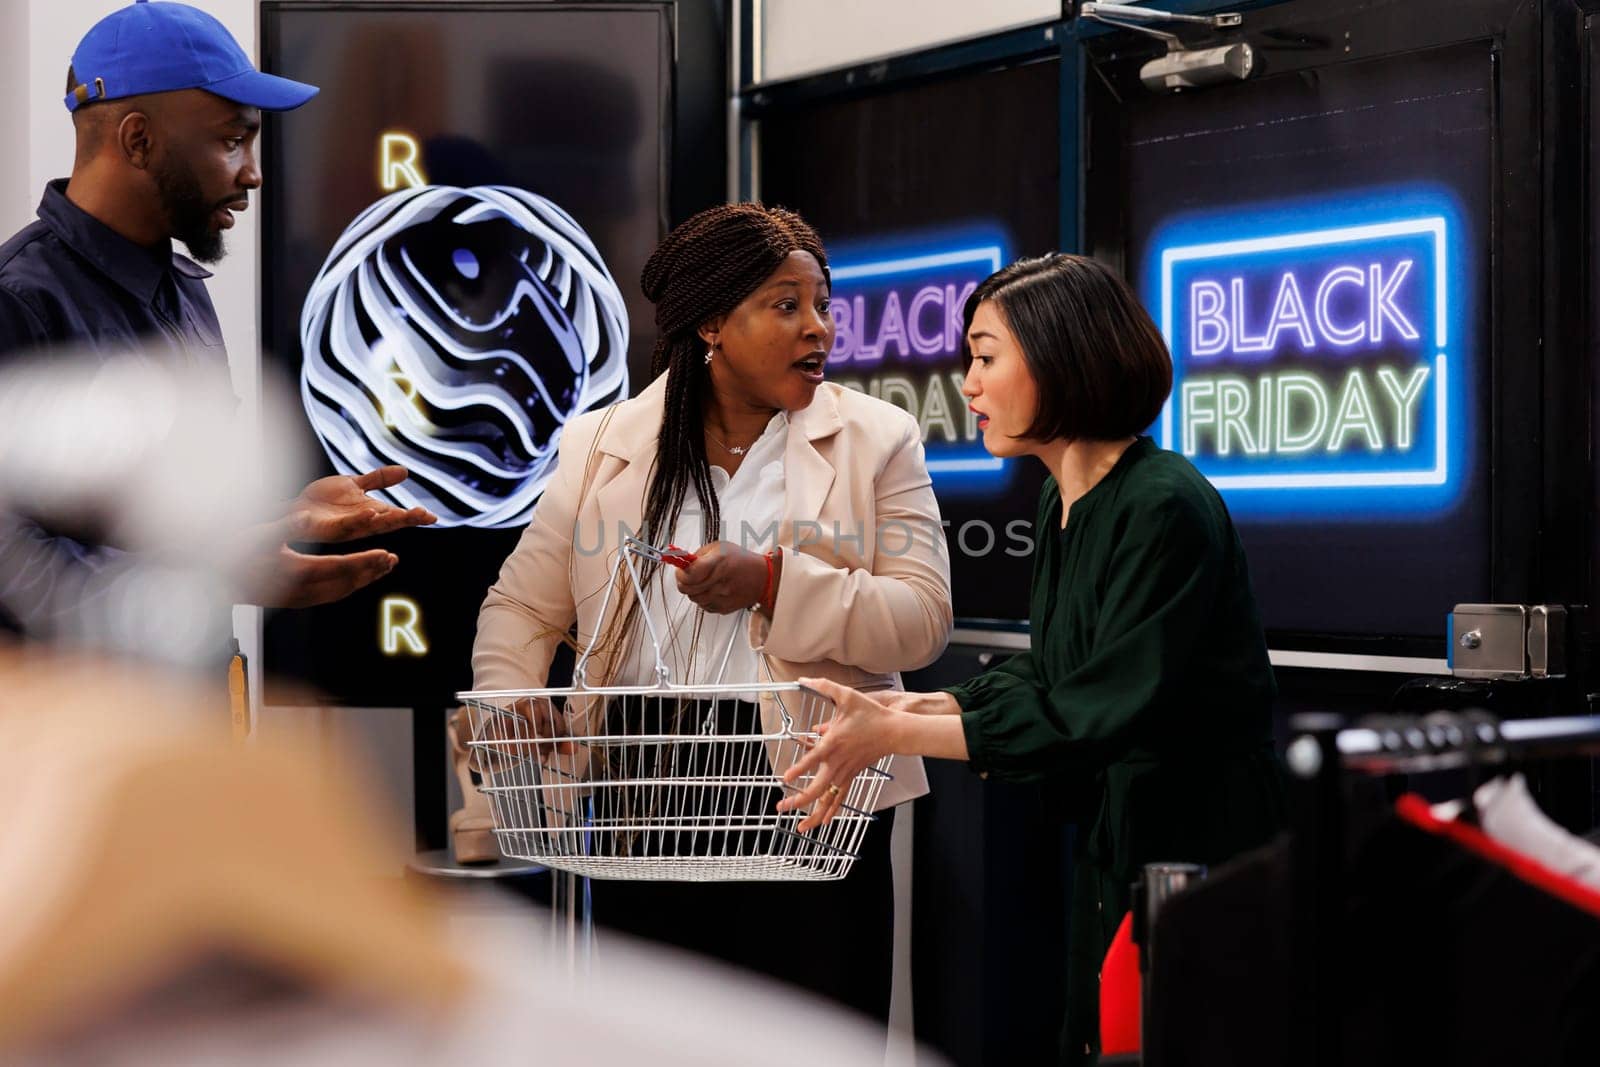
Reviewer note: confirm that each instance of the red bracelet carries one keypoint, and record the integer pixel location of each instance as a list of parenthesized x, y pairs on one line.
[(766, 590)]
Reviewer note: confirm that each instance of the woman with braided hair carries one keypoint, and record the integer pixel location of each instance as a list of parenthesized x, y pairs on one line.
[(811, 505)]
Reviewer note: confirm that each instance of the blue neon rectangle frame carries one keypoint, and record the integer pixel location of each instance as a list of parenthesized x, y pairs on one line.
[(1356, 489), (1434, 228)]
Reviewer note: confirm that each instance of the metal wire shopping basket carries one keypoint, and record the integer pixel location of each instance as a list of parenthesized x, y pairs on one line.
[(662, 782)]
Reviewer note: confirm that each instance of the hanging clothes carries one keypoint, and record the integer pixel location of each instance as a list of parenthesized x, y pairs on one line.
[(1416, 811), (1452, 949), (1509, 814)]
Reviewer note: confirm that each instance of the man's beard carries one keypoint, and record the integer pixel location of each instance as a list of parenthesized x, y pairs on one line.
[(188, 213)]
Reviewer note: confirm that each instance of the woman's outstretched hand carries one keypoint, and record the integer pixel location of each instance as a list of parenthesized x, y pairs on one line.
[(860, 733)]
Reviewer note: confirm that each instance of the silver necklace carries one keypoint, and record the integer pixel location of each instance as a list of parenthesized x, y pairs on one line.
[(731, 451)]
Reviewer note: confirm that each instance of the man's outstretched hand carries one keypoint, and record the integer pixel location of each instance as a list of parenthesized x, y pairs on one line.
[(301, 581), (338, 508), (329, 509)]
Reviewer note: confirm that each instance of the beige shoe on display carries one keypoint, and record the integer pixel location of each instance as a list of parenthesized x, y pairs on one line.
[(471, 827)]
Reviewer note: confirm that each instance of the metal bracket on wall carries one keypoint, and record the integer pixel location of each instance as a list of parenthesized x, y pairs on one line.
[(1508, 641), (1182, 67)]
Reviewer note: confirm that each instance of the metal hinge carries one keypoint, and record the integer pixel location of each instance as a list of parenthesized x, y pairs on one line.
[(1182, 67)]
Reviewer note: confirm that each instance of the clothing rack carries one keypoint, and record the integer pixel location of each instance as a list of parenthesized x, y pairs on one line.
[(1320, 755)]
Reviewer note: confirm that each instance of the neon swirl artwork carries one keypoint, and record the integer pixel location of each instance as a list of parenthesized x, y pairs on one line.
[(456, 331)]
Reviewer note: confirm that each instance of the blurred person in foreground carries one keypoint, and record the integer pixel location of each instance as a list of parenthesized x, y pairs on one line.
[(165, 107), (1144, 703), (175, 898)]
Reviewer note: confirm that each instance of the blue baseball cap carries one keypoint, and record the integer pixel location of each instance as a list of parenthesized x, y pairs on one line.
[(161, 47)]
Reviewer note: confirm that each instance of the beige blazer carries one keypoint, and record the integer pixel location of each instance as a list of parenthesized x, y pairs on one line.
[(865, 588)]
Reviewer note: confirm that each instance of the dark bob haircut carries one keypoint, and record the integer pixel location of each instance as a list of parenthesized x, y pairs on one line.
[(1101, 366)]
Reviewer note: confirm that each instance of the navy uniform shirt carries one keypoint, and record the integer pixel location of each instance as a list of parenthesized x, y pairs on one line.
[(70, 282)]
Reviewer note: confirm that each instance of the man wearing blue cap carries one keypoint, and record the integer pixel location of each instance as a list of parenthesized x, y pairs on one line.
[(166, 108)]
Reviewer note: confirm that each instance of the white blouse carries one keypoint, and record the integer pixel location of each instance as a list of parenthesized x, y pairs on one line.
[(751, 503)]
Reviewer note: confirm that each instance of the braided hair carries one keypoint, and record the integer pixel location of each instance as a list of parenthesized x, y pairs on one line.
[(705, 268)]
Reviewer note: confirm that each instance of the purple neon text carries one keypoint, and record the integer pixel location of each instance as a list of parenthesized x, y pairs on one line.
[(1348, 305), (924, 322)]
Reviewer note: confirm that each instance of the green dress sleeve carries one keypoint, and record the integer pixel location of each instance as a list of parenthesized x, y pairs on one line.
[(1021, 667), (1036, 716)]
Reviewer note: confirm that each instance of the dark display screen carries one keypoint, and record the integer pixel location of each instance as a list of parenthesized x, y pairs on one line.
[(916, 213), (453, 232), (1316, 250)]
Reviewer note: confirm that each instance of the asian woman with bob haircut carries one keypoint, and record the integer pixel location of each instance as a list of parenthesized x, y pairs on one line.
[(1144, 702)]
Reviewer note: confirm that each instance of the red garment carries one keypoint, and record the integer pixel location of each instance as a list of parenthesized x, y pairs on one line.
[(1119, 993), (1415, 810)]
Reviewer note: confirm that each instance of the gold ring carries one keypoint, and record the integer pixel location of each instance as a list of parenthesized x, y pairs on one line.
[(833, 790)]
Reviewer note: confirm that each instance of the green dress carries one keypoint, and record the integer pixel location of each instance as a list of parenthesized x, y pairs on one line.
[(1144, 704)]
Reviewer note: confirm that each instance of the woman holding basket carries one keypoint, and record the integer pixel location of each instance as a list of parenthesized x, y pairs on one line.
[(811, 506)]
